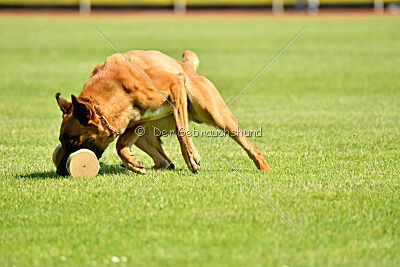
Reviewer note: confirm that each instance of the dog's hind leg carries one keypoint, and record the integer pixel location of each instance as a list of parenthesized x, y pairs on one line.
[(123, 147), (207, 105), (226, 121)]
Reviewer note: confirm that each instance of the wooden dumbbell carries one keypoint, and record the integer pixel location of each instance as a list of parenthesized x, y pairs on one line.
[(82, 163)]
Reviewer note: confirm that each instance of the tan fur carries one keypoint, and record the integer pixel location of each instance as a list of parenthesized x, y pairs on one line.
[(128, 101)]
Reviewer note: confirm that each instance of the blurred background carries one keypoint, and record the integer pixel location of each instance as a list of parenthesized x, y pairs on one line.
[(182, 6)]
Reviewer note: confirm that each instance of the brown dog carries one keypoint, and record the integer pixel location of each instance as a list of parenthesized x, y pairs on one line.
[(152, 90)]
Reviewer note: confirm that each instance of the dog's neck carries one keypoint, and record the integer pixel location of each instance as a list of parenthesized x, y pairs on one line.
[(115, 118), (105, 123)]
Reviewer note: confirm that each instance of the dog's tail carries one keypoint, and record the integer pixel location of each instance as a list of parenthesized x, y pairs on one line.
[(190, 57)]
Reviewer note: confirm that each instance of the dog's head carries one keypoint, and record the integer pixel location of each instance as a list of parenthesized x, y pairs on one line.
[(81, 128)]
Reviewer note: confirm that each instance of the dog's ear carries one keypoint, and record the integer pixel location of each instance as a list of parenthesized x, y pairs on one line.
[(81, 111), (65, 106)]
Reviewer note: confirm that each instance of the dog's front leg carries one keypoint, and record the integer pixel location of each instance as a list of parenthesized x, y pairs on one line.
[(179, 100), (123, 146)]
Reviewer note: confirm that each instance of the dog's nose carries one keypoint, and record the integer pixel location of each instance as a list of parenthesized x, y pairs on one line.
[(62, 171)]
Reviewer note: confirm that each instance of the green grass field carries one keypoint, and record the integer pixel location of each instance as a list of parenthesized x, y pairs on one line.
[(329, 108)]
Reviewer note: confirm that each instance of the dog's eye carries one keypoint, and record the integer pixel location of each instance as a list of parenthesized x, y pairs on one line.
[(69, 141)]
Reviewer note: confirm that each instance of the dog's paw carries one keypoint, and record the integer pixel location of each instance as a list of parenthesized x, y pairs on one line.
[(266, 169), (263, 166), (194, 162), (137, 168)]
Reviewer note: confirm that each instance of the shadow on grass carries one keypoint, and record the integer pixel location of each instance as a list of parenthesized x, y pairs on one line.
[(104, 169), (111, 169)]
